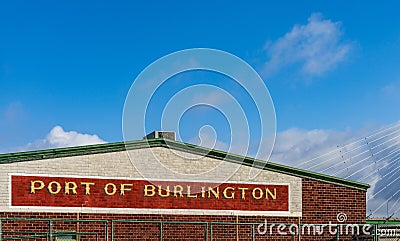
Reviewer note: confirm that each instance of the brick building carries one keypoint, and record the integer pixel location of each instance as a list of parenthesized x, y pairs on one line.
[(95, 193)]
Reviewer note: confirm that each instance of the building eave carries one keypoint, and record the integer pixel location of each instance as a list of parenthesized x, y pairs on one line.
[(181, 146)]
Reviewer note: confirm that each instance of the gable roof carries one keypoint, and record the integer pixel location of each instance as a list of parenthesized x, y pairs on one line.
[(181, 146)]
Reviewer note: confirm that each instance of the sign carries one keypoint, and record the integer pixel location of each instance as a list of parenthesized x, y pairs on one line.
[(47, 191)]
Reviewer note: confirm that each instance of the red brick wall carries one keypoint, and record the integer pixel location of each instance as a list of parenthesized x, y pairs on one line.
[(321, 204)]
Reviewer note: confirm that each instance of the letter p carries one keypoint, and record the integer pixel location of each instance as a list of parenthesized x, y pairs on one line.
[(36, 186)]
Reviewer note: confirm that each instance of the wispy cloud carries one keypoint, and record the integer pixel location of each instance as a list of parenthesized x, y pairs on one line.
[(57, 138), (391, 90), (14, 113), (214, 98), (315, 48)]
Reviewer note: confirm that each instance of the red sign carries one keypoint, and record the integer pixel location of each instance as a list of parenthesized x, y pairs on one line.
[(143, 194)]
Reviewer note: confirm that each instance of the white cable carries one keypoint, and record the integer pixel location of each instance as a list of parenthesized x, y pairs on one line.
[(385, 188), (393, 159), (395, 203), (391, 153), (352, 157), (368, 150), (397, 124), (373, 154), (388, 198)]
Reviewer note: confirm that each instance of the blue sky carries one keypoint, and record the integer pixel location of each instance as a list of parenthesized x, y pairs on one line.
[(332, 69), (71, 64)]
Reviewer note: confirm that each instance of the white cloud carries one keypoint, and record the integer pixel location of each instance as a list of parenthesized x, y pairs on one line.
[(60, 138), (337, 153), (360, 155), (294, 145), (316, 47), (57, 138)]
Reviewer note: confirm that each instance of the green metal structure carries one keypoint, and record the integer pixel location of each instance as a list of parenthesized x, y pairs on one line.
[(208, 231)]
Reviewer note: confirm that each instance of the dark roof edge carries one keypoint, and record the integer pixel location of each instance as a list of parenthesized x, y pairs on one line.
[(382, 221), (122, 146)]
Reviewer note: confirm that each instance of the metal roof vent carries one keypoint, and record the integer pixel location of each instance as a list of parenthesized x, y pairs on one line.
[(161, 134)]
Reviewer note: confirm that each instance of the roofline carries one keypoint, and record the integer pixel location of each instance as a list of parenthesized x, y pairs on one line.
[(382, 221), (194, 149)]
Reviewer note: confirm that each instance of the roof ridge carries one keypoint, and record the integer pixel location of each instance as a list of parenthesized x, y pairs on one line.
[(182, 146)]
